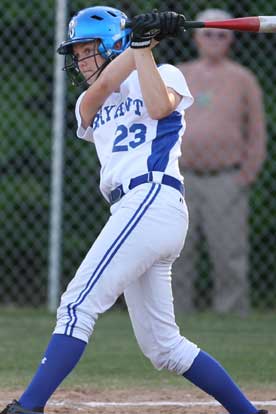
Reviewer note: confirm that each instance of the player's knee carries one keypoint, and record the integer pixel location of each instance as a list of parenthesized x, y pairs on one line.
[(77, 324), (165, 361), (160, 361), (177, 359)]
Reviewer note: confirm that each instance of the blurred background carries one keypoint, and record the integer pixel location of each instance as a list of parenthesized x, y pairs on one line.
[(27, 186)]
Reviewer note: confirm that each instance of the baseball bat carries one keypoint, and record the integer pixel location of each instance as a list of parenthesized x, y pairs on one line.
[(257, 24)]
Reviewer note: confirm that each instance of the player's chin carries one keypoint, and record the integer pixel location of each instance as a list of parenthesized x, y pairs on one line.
[(89, 81), (89, 77)]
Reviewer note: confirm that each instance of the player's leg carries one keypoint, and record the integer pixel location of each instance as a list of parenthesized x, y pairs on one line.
[(100, 279), (150, 305), (139, 232), (226, 227), (134, 237)]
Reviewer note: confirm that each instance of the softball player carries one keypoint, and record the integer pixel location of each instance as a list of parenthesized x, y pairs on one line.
[(133, 111)]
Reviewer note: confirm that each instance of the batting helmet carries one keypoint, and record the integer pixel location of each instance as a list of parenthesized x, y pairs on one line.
[(95, 23), (103, 23)]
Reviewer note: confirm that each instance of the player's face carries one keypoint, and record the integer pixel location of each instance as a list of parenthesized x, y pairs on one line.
[(88, 59), (213, 44)]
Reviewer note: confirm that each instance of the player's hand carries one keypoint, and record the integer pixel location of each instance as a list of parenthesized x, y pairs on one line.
[(157, 25), (169, 24), (144, 28)]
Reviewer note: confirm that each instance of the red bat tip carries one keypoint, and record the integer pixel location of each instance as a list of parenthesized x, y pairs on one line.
[(243, 24)]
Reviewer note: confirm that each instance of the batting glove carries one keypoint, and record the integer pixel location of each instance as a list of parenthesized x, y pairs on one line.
[(169, 24), (144, 28), (157, 25)]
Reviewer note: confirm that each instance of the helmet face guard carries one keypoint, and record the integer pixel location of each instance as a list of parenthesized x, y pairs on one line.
[(101, 23), (71, 66)]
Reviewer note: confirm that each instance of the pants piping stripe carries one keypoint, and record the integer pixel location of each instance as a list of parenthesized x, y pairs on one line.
[(108, 257)]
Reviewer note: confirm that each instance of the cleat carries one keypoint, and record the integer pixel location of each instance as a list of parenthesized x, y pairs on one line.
[(262, 412), (15, 408)]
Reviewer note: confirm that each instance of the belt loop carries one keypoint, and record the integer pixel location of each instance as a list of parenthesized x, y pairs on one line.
[(150, 177), (116, 194)]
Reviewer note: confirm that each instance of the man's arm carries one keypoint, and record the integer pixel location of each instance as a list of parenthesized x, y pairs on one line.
[(255, 152)]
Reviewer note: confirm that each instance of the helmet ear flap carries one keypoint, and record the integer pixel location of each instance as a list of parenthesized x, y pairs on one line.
[(118, 45), (103, 51), (108, 51)]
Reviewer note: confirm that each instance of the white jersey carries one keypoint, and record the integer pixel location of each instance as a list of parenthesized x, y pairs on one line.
[(123, 127)]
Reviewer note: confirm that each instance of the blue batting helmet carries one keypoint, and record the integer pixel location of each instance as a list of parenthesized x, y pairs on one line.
[(98, 22)]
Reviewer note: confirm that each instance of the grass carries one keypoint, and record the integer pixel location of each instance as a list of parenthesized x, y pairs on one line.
[(246, 348)]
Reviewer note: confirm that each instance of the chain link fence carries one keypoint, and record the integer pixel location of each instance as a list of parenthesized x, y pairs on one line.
[(26, 112)]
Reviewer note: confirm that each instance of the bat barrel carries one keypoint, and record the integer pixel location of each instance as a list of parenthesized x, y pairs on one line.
[(242, 24), (264, 24)]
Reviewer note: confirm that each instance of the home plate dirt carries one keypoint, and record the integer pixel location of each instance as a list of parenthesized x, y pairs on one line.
[(142, 401)]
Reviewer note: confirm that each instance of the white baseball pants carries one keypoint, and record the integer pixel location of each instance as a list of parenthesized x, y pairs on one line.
[(133, 255)]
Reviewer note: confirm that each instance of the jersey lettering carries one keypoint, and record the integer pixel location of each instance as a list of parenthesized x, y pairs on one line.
[(120, 110), (108, 109), (136, 134), (109, 112)]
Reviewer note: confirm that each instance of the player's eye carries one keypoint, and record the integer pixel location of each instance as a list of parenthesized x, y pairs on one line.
[(89, 51)]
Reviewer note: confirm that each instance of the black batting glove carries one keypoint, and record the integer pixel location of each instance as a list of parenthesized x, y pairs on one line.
[(144, 28), (169, 24)]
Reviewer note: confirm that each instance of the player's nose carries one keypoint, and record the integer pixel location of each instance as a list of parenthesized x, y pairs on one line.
[(82, 63)]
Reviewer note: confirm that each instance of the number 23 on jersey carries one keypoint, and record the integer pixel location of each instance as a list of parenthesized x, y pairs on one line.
[(129, 137)]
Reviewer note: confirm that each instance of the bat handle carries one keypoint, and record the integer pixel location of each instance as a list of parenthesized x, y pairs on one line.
[(193, 25)]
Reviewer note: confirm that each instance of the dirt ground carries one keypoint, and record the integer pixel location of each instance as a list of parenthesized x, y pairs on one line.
[(72, 402)]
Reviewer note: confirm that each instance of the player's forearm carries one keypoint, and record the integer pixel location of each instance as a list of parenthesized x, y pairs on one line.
[(118, 70), (155, 94), (109, 81)]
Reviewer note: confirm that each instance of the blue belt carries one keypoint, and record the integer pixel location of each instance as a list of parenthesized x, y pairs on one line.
[(118, 192)]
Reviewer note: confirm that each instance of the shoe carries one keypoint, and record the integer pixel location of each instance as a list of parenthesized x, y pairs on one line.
[(15, 408), (262, 412)]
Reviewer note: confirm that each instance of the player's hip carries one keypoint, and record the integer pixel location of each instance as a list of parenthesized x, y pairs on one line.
[(160, 210), (114, 192), (162, 198)]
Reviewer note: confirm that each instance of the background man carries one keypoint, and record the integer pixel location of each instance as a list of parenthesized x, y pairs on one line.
[(222, 153)]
